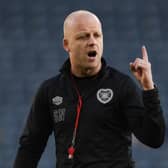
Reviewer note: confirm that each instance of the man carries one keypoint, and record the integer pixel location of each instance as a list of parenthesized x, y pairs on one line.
[(92, 108)]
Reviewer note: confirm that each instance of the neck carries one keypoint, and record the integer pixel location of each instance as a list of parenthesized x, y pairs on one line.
[(85, 72)]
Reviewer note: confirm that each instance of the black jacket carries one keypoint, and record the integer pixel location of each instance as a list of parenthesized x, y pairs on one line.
[(113, 108)]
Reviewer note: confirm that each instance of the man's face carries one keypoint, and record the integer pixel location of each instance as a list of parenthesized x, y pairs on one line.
[(84, 43)]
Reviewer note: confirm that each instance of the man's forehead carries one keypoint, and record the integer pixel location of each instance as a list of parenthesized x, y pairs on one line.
[(85, 25), (81, 14), (81, 19)]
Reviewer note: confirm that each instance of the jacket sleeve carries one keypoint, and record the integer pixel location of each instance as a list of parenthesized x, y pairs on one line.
[(144, 114), (35, 135)]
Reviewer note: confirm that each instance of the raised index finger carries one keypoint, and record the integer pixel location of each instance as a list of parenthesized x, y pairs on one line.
[(144, 54)]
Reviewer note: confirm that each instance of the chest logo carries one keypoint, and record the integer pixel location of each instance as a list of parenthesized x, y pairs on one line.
[(57, 100), (104, 95)]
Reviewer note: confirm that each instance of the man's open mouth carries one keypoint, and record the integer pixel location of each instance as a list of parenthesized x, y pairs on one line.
[(92, 53)]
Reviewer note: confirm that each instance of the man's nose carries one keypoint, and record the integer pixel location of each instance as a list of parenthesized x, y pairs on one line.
[(92, 41)]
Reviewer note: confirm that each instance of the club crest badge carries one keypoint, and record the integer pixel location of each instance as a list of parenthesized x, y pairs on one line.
[(104, 95), (57, 100)]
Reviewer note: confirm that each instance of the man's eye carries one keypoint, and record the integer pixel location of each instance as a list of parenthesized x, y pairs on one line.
[(82, 37), (97, 35)]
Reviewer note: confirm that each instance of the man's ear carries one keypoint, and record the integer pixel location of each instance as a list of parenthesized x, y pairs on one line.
[(65, 44)]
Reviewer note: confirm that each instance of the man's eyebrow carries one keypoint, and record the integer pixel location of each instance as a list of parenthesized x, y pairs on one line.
[(82, 33), (85, 32)]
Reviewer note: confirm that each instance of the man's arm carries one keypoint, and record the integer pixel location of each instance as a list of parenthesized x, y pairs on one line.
[(35, 135), (143, 113), (142, 108)]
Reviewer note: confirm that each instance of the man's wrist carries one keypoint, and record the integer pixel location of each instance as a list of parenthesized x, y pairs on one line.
[(149, 87)]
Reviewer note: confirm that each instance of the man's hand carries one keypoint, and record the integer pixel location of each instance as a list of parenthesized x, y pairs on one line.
[(141, 69)]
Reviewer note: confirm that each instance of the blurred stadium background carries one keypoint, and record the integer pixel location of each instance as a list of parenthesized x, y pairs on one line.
[(31, 51)]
